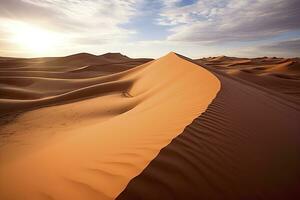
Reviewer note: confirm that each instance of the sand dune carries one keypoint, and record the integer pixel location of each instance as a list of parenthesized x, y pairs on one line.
[(92, 148), (60, 67), (281, 75), (44, 81), (245, 146), (97, 127)]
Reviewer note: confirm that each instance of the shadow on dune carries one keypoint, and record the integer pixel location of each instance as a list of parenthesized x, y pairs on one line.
[(245, 146)]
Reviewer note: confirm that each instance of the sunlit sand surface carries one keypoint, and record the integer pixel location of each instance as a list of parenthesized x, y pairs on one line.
[(92, 148)]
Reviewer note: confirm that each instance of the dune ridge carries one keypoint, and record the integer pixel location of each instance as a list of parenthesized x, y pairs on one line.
[(244, 146), (91, 149)]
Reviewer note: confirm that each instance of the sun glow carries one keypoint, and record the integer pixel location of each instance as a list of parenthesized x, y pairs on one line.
[(33, 39)]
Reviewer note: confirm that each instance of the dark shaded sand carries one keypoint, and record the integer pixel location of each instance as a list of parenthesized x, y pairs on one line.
[(245, 146)]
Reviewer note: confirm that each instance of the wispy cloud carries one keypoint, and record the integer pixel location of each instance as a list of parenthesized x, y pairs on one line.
[(230, 20), (286, 47)]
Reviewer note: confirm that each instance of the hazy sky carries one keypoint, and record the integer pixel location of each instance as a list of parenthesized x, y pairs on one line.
[(140, 28)]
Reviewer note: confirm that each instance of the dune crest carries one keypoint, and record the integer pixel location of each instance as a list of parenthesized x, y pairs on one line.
[(92, 148), (244, 146)]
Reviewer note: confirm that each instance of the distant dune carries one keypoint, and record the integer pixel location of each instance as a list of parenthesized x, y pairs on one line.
[(112, 127), (44, 81), (279, 75)]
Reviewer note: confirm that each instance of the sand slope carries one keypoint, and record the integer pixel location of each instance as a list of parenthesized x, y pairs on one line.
[(245, 146), (91, 149)]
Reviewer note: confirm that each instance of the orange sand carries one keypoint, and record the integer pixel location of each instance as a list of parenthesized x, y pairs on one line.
[(92, 148)]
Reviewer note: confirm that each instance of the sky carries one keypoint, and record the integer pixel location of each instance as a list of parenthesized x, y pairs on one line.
[(150, 28)]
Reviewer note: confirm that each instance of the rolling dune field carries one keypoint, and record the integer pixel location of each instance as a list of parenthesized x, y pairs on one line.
[(113, 127)]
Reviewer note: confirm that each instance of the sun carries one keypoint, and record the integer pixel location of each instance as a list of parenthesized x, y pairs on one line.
[(33, 39)]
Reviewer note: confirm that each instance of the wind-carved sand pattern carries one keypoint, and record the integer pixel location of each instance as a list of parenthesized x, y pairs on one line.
[(244, 146), (92, 148)]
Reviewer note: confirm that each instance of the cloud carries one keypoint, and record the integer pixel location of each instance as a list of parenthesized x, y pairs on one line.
[(230, 20), (287, 47), (82, 22), (89, 13), (190, 27)]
